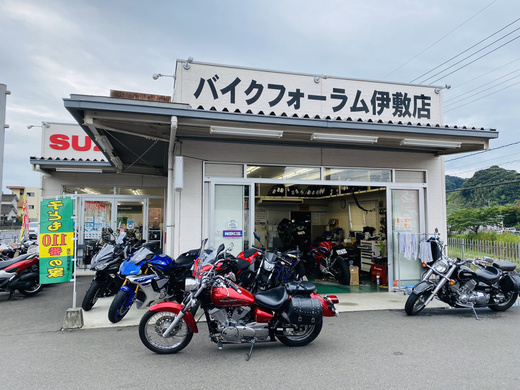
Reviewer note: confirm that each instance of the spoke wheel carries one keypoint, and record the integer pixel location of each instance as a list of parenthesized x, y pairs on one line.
[(416, 302), (301, 336), (152, 327), (506, 302)]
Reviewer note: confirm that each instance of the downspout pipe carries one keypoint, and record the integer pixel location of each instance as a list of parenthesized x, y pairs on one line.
[(170, 220)]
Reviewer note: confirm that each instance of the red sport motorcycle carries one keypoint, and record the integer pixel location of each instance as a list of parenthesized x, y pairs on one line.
[(22, 274), (292, 314), (329, 261)]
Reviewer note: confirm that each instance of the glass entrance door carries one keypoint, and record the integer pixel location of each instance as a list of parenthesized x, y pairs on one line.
[(231, 216), (130, 217), (407, 224)]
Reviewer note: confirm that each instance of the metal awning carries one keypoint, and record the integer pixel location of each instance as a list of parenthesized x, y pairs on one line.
[(134, 134)]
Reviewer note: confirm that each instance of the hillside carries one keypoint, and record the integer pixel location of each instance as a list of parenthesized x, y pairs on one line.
[(484, 189)]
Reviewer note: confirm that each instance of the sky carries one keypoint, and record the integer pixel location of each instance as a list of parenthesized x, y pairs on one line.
[(54, 48)]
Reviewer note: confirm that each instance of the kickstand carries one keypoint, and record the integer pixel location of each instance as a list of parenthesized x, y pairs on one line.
[(11, 293), (251, 350), (476, 316)]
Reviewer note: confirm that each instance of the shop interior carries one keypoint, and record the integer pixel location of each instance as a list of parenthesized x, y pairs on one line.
[(352, 220)]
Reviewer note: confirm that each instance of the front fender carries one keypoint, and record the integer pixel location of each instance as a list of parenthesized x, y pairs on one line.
[(423, 286), (174, 307)]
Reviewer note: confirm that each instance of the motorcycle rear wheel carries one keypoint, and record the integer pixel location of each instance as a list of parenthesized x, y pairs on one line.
[(511, 298), (416, 302), (303, 336), (91, 296), (152, 326), (119, 306), (35, 289)]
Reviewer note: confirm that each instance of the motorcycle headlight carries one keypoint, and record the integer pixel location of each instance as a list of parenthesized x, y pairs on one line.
[(190, 284), (441, 266), (268, 266), (100, 267)]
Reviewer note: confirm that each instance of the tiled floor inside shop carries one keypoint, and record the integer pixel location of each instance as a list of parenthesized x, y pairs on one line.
[(365, 285)]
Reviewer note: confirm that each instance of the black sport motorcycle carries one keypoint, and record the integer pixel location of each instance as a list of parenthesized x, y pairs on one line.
[(489, 284), (106, 263)]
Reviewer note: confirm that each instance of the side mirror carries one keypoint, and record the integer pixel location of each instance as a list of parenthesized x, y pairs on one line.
[(257, 236), (220, 248)]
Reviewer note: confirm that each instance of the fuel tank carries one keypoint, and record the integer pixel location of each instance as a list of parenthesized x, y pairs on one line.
[(228, 297)]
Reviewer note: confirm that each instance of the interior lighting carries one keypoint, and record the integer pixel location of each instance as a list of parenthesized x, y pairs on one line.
[(431, 143), (80, 170), (245, 132), (347, 138)]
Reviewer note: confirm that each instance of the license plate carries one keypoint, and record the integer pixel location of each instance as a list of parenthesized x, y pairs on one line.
[(341, 251)]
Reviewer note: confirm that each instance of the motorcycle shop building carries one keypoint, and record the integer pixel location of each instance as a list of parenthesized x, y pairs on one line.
[(239, 150)]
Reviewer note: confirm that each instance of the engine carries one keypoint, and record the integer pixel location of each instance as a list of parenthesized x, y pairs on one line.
[(233, 325), (464, 294)]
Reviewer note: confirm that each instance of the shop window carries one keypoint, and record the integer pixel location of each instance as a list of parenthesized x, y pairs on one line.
[(31, 194), (410, 176), (283, 172), (356, 174)]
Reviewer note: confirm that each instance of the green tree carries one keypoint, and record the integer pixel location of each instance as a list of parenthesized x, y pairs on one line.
[(474, 219)]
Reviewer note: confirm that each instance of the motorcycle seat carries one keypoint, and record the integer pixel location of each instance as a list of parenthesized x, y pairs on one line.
[(300, 288), (242, 264), (489, 274), (272, 299), (7, 263), (505, 265)]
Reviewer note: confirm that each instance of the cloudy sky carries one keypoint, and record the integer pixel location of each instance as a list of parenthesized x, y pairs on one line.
[(51, 49)]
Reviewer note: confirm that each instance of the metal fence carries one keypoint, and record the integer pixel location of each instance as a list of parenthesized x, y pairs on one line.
[(464, 248)]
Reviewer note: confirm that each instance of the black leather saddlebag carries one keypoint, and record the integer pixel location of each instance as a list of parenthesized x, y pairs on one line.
[(305, 310), (511, 282)]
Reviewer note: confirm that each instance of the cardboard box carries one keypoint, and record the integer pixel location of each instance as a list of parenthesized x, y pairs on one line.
[(354, 276)]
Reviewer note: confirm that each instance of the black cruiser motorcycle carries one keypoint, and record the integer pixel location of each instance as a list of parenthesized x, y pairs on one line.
[(490, 284)]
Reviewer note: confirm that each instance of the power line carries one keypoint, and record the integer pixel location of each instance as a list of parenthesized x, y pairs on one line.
[(480, 169), (483, 85), (469, 48), (483, 74), (483, 151), (489, 94), (485, 185), (433, 44), (471, 55)]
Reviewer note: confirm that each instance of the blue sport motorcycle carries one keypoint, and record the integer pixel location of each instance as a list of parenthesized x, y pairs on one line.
[(151, 277)]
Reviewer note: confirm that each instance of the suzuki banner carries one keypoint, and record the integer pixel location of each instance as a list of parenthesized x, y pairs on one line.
[(56, 240)]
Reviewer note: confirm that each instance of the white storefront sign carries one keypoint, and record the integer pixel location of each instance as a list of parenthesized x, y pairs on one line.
[(235, 88), (64, 140)]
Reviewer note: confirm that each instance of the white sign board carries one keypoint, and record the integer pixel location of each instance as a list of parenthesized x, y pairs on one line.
[(244, 89), (63, 140)]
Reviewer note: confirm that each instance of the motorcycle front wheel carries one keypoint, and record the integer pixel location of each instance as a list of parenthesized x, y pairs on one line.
[(300, 337), (416, 302), (91, 296), (119, 306), (510, 299), (151, 329)]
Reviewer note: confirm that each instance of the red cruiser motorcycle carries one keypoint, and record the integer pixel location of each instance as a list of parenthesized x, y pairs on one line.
[(22, 274), (292, 314)]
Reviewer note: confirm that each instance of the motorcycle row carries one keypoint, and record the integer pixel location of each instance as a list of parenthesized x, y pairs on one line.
[(257, 296)]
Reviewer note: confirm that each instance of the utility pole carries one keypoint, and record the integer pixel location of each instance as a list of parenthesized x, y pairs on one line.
[(3, 93)]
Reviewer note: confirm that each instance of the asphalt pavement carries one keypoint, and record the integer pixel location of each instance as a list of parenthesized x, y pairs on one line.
[(363, 349)]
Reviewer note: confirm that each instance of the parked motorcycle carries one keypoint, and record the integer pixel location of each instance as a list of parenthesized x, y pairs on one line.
[(292, 314), (492, 284), (150, 277), (106, 263), (21, 273), (276, 269), (329, 261)]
